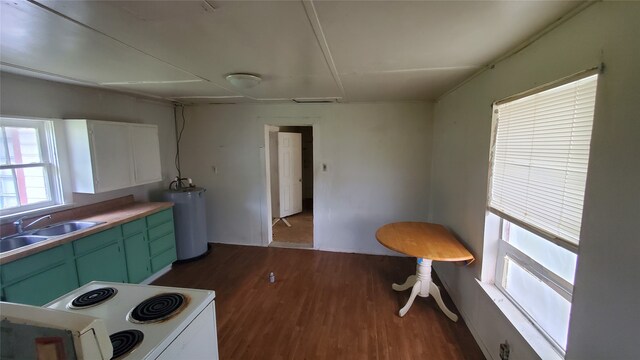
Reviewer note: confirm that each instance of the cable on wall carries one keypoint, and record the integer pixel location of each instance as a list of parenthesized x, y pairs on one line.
[(178, 135)]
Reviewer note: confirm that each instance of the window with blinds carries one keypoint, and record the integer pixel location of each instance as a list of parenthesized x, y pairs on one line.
[(540, 158)]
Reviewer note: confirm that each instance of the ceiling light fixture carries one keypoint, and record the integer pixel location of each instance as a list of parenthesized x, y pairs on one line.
[(243, 80)]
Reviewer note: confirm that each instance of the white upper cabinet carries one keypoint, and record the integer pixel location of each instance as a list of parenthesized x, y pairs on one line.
[(107, 156), (146, 154), (110, 147)]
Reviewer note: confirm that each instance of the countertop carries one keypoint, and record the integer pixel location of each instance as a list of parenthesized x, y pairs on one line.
[(110, 218)]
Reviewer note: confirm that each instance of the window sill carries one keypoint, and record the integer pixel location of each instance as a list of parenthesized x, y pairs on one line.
[(33, 213), (527, 330)]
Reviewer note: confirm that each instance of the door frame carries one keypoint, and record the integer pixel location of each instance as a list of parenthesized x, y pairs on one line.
[(268, 216)]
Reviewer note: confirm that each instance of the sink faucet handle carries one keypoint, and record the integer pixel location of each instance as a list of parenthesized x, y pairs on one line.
[(18, 224)]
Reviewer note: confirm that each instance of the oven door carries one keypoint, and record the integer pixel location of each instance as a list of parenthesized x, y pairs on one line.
[(22, 341)]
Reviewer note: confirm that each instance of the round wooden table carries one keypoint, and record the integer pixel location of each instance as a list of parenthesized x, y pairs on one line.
[(427, 242)]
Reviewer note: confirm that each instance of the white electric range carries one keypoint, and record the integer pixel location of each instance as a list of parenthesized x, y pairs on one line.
[(149, 322)]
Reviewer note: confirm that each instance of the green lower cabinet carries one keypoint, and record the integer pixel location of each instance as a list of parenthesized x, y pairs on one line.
[(43, 287), (136, 249), (162, 239), (105, 264), (148, 246), (162, 250), (40, 278)]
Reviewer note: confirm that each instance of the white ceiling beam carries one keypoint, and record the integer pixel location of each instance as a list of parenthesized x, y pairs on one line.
[(312, 15)]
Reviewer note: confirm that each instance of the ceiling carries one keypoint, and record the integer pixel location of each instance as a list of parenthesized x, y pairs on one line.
[(346, 51)]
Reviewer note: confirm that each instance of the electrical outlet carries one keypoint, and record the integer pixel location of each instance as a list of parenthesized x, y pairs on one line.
[(504, 351)]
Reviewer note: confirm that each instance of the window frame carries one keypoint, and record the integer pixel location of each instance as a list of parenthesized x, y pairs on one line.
[(554, 281), (539, 271), (50, 162)]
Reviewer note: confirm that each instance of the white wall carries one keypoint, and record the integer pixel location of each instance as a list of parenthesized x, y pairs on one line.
[(378, 168), (30, 97), (605, 314)]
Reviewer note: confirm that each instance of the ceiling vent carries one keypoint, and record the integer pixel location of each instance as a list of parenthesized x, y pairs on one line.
[(315, 100)]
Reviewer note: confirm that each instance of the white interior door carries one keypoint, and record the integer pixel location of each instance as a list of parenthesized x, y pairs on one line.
[(290, 173)]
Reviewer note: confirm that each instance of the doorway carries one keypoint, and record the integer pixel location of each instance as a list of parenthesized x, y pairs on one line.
[(290, 171)]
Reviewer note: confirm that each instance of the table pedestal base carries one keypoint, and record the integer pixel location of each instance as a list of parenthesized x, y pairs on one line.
[(423, 286)]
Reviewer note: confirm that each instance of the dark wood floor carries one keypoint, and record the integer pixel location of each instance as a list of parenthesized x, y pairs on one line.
[(323, 306)]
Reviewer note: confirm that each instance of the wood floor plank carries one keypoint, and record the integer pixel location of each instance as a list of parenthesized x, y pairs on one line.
[(323, 306)]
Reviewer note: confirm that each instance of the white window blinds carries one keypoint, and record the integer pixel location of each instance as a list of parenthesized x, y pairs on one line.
[(540, 158)]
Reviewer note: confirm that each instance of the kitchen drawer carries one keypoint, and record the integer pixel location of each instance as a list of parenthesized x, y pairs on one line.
[(162, 260), (96, 241), (160, 231), (159, 245), (134, 227), (18, 269), (160, 217)]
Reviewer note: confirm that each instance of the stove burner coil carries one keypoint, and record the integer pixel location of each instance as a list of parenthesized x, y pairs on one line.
[(93, 297), (157, 308), (125, 341)]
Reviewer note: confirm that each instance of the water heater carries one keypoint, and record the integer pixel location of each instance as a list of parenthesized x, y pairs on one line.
[(190, 221)]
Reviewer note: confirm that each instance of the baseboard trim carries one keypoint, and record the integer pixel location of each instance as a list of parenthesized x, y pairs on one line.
[(237, 243), (316, 247), (156, 276), (350, 251)]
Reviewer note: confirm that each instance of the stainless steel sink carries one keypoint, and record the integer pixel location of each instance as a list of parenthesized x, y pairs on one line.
[(31, 237), (14, 242), (65, 228)]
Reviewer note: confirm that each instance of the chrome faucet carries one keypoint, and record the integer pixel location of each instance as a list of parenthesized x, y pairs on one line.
[(20, 228)]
